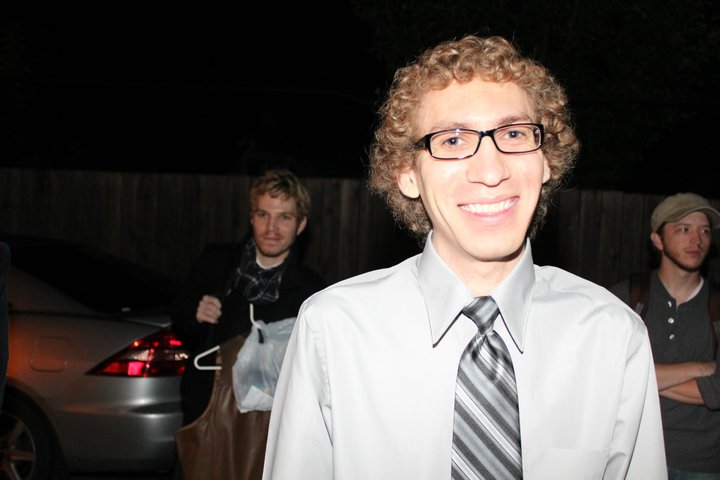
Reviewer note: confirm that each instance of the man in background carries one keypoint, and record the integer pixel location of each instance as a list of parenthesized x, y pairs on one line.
[(676, 302), (264, 270)]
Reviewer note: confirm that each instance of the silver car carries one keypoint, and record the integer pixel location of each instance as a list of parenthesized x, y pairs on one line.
[(94, 371)]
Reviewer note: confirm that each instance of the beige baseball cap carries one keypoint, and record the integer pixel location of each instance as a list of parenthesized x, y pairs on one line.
[(675, 207)]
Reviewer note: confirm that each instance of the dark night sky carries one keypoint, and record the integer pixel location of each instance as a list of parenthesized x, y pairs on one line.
[(172, 86), (232, 87)]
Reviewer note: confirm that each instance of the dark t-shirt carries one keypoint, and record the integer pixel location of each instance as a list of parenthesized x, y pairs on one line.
[(683, 334)]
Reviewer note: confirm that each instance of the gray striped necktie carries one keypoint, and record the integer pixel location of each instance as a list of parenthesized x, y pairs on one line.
[(486, 430)]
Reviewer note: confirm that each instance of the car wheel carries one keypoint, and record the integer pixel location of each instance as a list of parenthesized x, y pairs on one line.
[(28, 449)]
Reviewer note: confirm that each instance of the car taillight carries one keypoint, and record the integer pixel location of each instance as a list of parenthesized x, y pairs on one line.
[(158, 355)]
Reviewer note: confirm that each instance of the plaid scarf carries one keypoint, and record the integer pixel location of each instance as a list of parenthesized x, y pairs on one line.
[(257, 285)]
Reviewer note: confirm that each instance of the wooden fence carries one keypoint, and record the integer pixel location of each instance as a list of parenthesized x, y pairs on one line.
[(164, 220)]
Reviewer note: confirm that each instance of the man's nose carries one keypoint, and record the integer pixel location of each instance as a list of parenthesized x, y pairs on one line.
[(487, 166), (272, 223), (696, 235)]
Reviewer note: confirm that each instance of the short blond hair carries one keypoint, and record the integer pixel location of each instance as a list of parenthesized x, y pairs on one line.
[(281, 183)]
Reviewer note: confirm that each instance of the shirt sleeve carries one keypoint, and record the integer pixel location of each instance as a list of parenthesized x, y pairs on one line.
[(710, 388), (639, 426), (205, 275), (299, 443)]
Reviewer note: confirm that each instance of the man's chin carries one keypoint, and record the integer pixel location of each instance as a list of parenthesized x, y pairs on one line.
[(273, 253)]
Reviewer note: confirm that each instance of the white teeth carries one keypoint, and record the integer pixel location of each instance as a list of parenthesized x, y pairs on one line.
[(487, 207)]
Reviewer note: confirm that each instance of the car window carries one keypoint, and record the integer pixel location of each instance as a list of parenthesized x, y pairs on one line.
[(103, 283)]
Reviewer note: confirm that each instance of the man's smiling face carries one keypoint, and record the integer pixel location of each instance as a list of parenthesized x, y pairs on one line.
[(480, 207)]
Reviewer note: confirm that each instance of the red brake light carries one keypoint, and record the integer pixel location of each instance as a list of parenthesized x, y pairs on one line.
[(158, 355)]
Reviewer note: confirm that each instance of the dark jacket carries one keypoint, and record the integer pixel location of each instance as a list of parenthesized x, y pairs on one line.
[(209, 276), (4, 269)]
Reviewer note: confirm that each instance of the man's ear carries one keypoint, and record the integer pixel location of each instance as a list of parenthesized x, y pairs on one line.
[(546, 170), (301, 226), (408, 182), (657, 241)]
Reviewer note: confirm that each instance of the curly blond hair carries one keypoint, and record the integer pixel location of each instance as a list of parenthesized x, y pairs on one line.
[(491, 59)]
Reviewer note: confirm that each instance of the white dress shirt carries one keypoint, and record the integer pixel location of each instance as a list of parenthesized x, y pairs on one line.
[(367, 387)]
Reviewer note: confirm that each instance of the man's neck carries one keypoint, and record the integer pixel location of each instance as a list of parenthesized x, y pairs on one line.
[(679, 283), (267, 263), (481, 277)]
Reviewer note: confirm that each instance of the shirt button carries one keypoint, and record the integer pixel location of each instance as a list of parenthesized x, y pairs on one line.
[(671, 336), (671, 320), (669, 303)]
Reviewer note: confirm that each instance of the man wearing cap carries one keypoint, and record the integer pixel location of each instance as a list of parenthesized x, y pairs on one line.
[(676, 310)]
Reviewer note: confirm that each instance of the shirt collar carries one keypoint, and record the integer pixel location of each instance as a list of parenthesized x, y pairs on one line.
[(445, 294), (514, 297)]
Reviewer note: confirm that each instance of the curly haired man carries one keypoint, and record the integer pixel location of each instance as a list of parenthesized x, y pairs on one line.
[(467, 360)]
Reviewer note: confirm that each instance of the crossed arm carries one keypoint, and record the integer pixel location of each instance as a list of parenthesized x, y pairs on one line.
[(677, 381)]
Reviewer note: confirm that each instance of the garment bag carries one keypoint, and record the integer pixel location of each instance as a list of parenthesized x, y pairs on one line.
[(223, 443)]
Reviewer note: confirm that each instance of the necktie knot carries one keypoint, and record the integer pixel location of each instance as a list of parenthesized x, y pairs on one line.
[(482, 311)]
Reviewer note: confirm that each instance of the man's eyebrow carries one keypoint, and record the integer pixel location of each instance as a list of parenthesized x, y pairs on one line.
[(516, 119), (277, 212), (508, 120), (687, 224)]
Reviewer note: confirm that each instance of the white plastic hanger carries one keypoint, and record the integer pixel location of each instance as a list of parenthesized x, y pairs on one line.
[(205, 354), (217, 347)]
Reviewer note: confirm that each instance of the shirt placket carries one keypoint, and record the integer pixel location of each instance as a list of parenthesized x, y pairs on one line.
[(671, 320)]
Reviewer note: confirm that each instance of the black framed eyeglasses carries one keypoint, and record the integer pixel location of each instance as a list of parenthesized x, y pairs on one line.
[(459, 143)]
